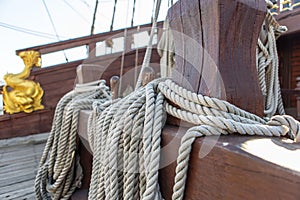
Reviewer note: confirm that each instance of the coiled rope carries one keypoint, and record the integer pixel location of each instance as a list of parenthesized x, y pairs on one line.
[(127, 137), (59, 171)]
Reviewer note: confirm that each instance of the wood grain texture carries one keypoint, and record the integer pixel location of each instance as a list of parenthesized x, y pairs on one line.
[(19, 160), (215, 45)]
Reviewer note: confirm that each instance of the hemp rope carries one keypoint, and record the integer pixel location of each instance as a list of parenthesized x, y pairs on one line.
[(127, 137), (60, 173), (268, 65)]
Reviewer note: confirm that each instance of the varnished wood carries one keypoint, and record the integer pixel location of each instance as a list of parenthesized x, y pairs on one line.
[(114, 82), (215, 45), (148, 75)]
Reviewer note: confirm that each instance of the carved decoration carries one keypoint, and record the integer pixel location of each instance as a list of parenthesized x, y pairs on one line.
[(19, 93)]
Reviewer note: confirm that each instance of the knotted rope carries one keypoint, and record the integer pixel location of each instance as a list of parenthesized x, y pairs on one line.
[(127, 137), (59, 172)]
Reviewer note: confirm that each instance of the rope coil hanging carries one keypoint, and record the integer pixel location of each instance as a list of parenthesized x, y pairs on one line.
[(59, 171), (268, 66)]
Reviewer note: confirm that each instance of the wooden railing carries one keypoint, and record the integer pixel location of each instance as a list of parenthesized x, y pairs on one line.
[(124, 40), (59, 78)]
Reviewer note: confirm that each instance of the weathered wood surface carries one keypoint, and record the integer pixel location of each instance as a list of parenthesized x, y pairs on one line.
[(215, 47), (19, 160), (238, 167)]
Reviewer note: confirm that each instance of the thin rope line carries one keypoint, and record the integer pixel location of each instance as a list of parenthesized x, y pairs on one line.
[(94, 18), (53, 26), (113, 16)]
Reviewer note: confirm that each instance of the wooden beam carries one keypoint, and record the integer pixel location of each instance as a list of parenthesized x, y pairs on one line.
[(215, 46), (81, 41)]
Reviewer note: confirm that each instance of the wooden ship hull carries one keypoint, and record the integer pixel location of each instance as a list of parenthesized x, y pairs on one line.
[(238, 167)]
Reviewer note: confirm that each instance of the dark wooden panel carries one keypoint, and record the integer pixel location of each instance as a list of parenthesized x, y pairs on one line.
[(23, 124), (289, 65)]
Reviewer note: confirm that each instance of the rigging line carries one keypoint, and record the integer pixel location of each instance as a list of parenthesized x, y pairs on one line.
[(53, 26), (136, 57), (50, 18), (29, 31), (122, 61), (86, 4), (133, 12), (152, 15), (43, 36), (126, 45), (113, 17), (78, 13), (94, 18)]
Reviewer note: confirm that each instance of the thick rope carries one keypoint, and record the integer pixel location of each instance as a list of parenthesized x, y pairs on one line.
[(60, 173), (127, 133), (127, 137), (147, 57)]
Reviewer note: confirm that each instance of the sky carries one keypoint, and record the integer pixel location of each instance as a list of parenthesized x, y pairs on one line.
[(71, 19)]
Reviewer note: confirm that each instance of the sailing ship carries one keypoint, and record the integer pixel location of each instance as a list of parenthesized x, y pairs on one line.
[(234, 169)]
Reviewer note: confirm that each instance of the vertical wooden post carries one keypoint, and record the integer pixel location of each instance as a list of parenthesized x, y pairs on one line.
[(92, 50), (215, 46)]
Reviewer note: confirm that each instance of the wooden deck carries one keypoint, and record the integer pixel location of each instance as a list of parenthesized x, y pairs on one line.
[(19, 159)]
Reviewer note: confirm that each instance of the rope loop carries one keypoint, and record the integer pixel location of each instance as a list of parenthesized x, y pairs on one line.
[(291, 125)]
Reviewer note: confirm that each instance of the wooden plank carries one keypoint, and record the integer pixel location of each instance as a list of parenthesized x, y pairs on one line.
[(7, 189), (30, 196), (8, 161), (22, 152), (22, 155), (18, 194), (57, 46), (18, 166)]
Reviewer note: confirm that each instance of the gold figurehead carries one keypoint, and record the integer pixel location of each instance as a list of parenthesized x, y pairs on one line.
[(20, 94)]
